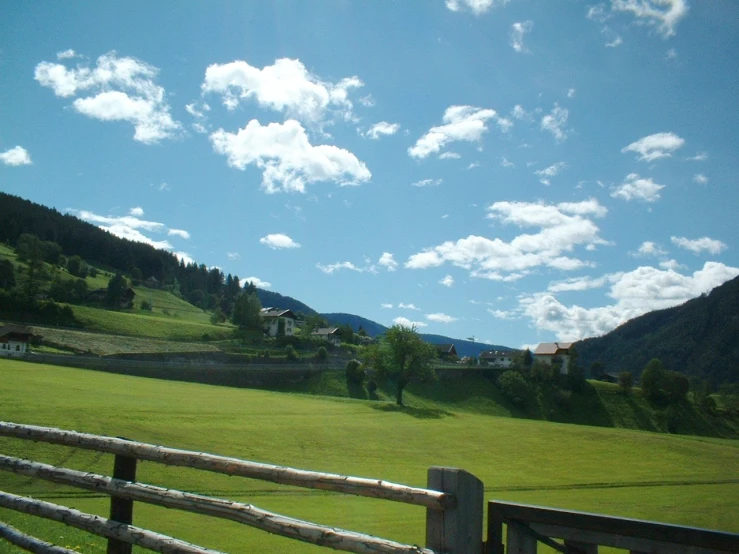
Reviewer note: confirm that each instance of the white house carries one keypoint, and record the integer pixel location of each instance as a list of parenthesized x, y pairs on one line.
[(14, 340), (274, 318), (329, 334), (554, 353), (501, 359)]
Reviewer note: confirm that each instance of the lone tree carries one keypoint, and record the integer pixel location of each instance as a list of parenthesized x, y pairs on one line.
[(247, 310), (401, 356)]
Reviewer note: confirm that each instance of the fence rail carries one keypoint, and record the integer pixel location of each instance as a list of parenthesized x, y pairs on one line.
[(448, 517)]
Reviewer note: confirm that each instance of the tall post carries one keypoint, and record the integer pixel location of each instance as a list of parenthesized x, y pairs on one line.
[(121, 509), (456, 530)]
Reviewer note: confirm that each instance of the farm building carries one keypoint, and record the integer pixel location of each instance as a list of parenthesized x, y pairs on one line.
[(14, 340), (552, 353), (278, 322)]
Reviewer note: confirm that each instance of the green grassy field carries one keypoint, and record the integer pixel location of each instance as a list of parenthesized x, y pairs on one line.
[(685, 480)]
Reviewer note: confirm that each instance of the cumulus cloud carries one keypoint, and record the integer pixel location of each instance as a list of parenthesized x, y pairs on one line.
[(562, 228), (233, 255), (288, 160), (656, 146), (338, 266), (520, 113), (460, 123), (386, 306), (699, 157), (697, 246), (387, 261), (405, 322), (427, 183), (383, 128), (66, 54), (637, 292), (441, 318), (447, 281), (555, 121), (123, 90), (408, 306), (16, 156), (449, 156), (285, 86), (256, 281), (138, 211), (615, 43), (597, 13), (553, 170), (638, 188), (518, 30), (700, 179), (649, 248), (662, 14), (478, 7), (132, 227), (279, 241), (506, 163)]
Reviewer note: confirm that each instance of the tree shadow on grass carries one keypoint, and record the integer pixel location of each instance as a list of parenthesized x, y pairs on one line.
[(419, 413)]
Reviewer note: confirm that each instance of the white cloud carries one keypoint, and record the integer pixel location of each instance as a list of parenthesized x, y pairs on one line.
[(256, 281), (184, 257), (408, 307), (478, 7), (382, 128), (66, 54), (441, 318), (583, 283), (700, 179), (405, 322), (473, 165), (505, 163), (562, 228), (16, 156), (615, 43), (699, 157), (124, 90), (287, 158), (386, 306), (649, 248), (179, 233), (233, 255), (449, 156), (502, 314), (279, 241), (551, 171), (597, 13), (571, 93), (427, 183), (505, 124), (662, 14), (447, 281), (331, 268), (387, 261), (286, 86), (555, 121), (520, 113), (671, 264), (199, 113), (138, 211), (654, 147), (461, 123), (703, 244), (637, 292), (518, 30), (638, 188), (367, 101), (130, 227)]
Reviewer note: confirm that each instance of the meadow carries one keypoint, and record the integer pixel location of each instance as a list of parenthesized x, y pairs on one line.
[(678, 479)]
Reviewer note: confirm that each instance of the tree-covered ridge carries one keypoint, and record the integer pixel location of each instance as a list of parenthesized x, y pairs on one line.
[(699, 338)]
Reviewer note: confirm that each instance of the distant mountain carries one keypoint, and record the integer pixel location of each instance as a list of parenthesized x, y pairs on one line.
[(271, 299), (373, 329), (699, 338)]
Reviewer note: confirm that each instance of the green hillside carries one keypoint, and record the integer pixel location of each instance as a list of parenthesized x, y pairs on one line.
[(699, 338), (669, 478)]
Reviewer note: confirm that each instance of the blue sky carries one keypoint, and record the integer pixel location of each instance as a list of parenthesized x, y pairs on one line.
[(519, 171)]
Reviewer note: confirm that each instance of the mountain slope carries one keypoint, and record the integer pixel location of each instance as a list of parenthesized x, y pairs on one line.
[(699, 338)]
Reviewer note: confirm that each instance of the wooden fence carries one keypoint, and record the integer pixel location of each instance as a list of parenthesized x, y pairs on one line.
[(453, 502)]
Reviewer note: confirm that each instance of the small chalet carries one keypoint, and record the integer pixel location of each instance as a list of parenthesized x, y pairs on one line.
[(446, 351), (14, 340), (554, 353), (329, 334), (274, 320), (99, 296), (151, 282), (501, 359)]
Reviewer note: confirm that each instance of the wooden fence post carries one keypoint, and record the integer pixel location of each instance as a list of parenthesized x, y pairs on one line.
[(456, 530), (121, 509)]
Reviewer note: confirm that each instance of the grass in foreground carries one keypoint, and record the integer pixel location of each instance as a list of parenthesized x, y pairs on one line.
[(636, 474)]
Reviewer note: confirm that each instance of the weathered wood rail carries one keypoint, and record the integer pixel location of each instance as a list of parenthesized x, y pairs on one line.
[(453, 501)]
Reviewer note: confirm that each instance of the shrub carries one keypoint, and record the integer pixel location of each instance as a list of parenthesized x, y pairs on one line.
[(146, 305), (372, 386), (514, 387), (355, 372), (290, 353), (653, 380), (625, 381), (322, 354)]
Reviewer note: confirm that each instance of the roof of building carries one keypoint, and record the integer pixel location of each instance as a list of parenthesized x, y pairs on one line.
[(325, 331), (495, 353), (276, 312), (447, 348), (552, 348), (15, 330)]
